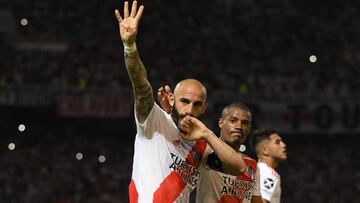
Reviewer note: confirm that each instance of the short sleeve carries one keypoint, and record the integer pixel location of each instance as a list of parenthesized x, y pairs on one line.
[(157, 121), (268, 184)]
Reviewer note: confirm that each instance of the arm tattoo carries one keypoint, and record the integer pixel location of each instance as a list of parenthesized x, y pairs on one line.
[(143, 93)]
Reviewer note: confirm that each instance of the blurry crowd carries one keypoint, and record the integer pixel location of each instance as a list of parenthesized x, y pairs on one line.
[(46, 169), (257, 49), (321, 169), (65, 169), (239, 49)]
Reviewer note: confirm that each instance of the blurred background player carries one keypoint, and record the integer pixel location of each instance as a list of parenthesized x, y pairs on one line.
[(271, 150)]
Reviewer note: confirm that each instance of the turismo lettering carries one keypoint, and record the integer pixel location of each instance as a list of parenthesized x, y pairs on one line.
[(187, 172)]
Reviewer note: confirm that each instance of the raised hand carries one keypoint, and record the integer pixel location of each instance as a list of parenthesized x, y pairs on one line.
[(193, 129), (166, 98), (128, 25), (143, 93)]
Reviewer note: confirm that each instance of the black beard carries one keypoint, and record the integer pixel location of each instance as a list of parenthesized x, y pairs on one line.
[(176, 117)]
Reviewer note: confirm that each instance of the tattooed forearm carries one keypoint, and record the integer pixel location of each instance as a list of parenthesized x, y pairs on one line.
[(143, 93), (144, 101)]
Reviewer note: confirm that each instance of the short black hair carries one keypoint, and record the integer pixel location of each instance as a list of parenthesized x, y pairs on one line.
[(259, 135), (234, 105)]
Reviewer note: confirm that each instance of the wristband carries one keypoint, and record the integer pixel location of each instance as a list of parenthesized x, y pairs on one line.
[(130, 49)]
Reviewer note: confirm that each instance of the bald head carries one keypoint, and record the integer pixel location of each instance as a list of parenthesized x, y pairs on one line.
[(191, 85), (189, 99)]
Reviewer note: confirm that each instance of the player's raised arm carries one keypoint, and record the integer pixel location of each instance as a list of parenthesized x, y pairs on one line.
[(128, 27)]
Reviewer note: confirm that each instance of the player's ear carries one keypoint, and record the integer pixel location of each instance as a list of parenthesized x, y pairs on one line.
[(220, 123), (265, 150), (204, 108), (171, 100)]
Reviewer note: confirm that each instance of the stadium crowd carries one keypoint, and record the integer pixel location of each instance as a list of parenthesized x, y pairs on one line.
[(261, 49), (240, 49)]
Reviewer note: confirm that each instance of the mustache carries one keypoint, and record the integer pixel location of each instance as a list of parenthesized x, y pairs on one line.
[(176, 117)]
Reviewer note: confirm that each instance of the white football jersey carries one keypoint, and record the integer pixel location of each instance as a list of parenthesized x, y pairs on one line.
[(164, 166), (269, 183)]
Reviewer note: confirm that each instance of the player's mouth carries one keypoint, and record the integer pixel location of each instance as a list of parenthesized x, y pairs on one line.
[(237, 134)]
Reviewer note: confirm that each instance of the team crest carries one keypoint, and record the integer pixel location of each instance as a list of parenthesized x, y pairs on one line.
[(268, 183)]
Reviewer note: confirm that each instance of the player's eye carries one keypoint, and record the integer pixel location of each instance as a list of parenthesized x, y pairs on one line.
[(184, 101)]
